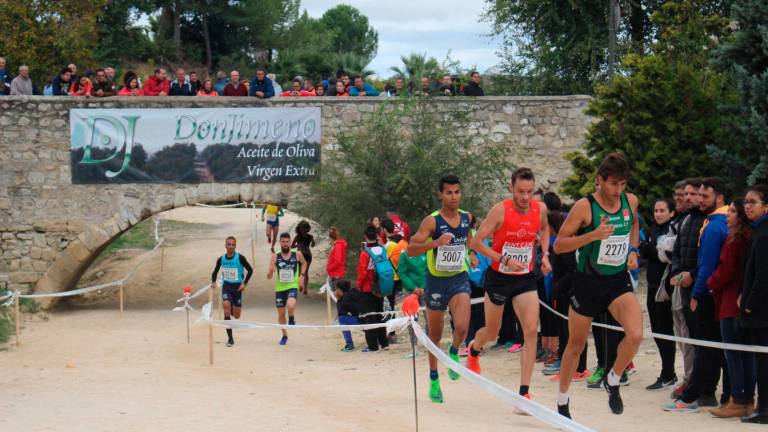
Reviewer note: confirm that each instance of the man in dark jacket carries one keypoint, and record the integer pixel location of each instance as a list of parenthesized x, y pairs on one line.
[(753, 311), (261, 86), (5, 79), (101, 86), (684, 260), (61, 82), (473, 87), (180, 86)]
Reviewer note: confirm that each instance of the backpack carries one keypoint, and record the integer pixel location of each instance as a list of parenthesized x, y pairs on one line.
[(384, 273)]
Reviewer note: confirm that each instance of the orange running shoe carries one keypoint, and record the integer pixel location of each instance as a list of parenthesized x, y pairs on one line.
[(518, 411), (473, 362)]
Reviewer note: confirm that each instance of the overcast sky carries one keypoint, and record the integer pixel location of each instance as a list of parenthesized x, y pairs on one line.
[(419, 26)]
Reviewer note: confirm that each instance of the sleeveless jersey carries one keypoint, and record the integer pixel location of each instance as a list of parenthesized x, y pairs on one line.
[(607, 257), (272, 212), (517, 237), (287, 272), (231, 269), (449, 260)]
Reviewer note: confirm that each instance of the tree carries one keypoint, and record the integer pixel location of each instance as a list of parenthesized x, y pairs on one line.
[(118, 39), (47, 35), (662, 111), (351, 31), (352, 63), (395, 158), (416, 66), (746, 59)]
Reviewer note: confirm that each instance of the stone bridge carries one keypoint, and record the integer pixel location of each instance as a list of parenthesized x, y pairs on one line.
[(51, 230)]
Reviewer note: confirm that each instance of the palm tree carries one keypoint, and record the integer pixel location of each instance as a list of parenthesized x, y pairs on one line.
[(415, 67), (353, 64)]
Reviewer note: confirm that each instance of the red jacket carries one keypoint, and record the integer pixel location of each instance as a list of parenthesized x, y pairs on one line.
[(240, 90), (337, 260), (725, 281), (365, 268), (153, 86)]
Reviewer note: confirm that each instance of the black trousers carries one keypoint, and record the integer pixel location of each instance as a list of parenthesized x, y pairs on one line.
[(606, 341), (562, 304), (759, 336), (708, 362), (662, 323), (377, 337)]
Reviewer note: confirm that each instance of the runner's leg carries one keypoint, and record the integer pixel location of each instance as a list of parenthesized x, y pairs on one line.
[(435, 326), (527, 309), (626, 310), (493, 317), (578, 330), (459, 306)]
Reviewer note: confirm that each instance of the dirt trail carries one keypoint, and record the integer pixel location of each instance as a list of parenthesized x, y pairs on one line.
[(87, 369)]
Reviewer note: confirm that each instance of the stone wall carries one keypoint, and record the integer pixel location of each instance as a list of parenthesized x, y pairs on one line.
[(51, 230)]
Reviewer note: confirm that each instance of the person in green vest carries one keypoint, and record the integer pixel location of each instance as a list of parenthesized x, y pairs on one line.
[(290, 266), (603, 227)]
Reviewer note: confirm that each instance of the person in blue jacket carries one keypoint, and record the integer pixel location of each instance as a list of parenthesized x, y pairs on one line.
[(261, 85), (362, 88)]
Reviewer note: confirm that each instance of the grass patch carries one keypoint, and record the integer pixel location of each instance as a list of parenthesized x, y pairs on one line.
[(142, 236)]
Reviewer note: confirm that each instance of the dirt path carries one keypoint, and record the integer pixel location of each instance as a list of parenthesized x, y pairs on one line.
[(87, 369)]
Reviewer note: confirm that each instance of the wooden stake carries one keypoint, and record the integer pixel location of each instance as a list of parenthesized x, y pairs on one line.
[(162, 258), (328, 303), (18, 322), (121, 300), (210, 329)]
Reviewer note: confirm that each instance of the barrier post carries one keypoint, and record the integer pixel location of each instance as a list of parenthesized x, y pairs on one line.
[(413, 362), (328, 302), (121, 300), (210, 328), (162, 258), (18, 321)]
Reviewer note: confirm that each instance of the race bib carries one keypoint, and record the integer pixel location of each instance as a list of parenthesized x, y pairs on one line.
[(271, 218), (286, 275), (229, 274), (522, 253), (450, 258), (613, 251)]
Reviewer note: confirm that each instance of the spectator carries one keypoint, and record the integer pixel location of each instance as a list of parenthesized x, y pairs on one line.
[(180, 86), (348, 307), (247, 85), (340, 90), (753, 306), (62, 82), (194, 81), (396, 89), (309, 87), (656, 251), (296, 90), (5, 79), (725, 285), (426, 87), (157, 84), (261, 86), (336, 266), (346, 80), (22, 85), (679, 197), (81, 87), (473, 87), (401, 227), (235, 87), (375, 338), (319, 90), (221, 82), (73, 68), (207, 89), (276, 88), (131, 87), (362, 88), (446, 86), (101, 86), (109, 72)]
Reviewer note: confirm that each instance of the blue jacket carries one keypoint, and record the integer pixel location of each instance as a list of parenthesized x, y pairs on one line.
[(367, 88), (60, 88), (477, 274), (219, 86), (710, 242), (6, 78), (265, 86), (184, 89)]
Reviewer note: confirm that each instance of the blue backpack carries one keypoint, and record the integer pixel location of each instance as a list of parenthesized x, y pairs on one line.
[(384, 279)]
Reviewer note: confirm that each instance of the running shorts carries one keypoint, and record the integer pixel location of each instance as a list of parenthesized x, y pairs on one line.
[(591, 295), (501, 287)]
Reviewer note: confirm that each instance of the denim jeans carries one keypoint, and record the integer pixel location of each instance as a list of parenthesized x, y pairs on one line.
[(741, 364), (348, 320)]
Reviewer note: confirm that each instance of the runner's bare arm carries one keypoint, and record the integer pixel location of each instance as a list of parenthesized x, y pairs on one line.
[(302, 261), (634, 236), (271, 270), (546, 267), (567, 240), (422, 241), (489, 225), (473, 261)]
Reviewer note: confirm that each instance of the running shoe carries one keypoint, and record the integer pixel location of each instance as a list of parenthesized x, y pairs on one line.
[(553, 369), (473, 362), (451, 373), (348, 348), (677, 393), (464, 352), (614, 398), (542, 355), (564, 411), (368, 350), (597, 376), (551, 359), (515, 348), (518, 411), (435, 393), (680, 406), (230, 343), (624, 379), (577, 376), (661, 384), (283, 340), (756, 418)]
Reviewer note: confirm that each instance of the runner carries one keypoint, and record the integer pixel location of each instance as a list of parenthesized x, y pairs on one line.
[(444, 236), (515, 224), (291, 269), (604, 228), (302, 242), (235, 274), (273, 213)]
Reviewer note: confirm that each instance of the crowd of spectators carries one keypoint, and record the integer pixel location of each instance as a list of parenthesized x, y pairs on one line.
[(103, 83)]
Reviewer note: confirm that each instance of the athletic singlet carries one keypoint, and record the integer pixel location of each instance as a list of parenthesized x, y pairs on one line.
[(287, 272), (607, 257), (272, 212), (449, 260), (517, 236), (231, 269)]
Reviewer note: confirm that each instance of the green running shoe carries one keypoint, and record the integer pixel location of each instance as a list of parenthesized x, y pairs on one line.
[(451, 374), (597, 377), (435, 394)]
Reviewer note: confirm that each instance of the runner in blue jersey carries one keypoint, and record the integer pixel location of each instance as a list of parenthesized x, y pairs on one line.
[(235, 274)]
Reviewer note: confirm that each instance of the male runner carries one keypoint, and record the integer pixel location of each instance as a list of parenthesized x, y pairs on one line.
[(604, 228), (444, 236), (516, 224), (289, 264), (272, 213), (232, 266)]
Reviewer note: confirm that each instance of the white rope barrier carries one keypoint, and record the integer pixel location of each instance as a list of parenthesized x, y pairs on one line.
[(223, 205)]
